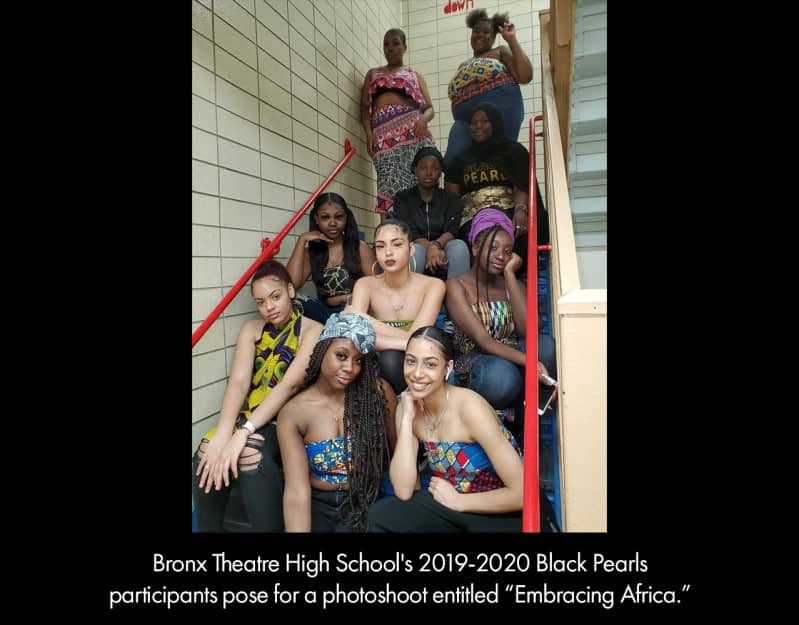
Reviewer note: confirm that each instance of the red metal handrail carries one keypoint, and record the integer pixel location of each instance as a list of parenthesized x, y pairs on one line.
[(531, 509), (270, 248)]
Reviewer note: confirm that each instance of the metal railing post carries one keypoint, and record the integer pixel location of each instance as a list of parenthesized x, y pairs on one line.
[(270, 248)]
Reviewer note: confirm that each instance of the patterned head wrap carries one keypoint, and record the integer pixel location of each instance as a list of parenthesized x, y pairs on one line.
[(488, 217), (353, 327)]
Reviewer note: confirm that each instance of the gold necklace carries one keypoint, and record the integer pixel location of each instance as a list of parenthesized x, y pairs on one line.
[(336, 417), (431, 428), (396, 308)]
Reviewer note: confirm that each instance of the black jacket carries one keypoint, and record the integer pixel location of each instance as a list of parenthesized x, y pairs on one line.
[(428, 221)]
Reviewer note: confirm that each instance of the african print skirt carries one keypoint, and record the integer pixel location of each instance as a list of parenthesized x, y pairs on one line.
[(394, 148)]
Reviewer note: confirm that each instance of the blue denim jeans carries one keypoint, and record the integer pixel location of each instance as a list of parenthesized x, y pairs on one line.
[(318, 310), (507, 98), (500, 381), (457, 255)]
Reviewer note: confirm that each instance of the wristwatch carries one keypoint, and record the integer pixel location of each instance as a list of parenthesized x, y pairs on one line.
[(249, 426)]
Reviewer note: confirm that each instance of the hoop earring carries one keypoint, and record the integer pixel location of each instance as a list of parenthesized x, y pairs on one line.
[(373, 269), (413, 258)]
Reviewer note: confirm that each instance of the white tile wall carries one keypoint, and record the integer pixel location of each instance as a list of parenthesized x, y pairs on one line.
[(236, 72), (202, 51), (204, 241), (208, 367), (237, 44), (232, 270), (204, 178), (277, 121), (203, 114), (204, 209), (203, 301), (231, 98), (214, 341), (203, 146), (239, 186), (275, 91), (238, 157), (202, 82), (241, 215)]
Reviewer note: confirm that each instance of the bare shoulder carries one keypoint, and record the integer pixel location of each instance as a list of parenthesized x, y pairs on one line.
[(472, 406), (363, 247), (370, 282), (435, 287), (295, 405), (502, 52), (461, 281), (428, 282), (253, 329), (310, 328), (292, 411)]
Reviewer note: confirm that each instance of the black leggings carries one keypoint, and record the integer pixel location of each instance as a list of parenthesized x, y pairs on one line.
[(261, 490), (421, 513), (390, 364), (325, 512)]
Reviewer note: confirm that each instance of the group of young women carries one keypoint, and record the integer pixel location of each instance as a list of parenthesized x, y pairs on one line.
[(334, 388), (485, 164), (332, 368)]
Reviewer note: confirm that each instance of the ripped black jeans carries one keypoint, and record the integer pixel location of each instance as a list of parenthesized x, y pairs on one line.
[(261, 484)]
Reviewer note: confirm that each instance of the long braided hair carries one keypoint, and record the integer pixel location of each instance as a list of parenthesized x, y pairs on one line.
[(365, 412)]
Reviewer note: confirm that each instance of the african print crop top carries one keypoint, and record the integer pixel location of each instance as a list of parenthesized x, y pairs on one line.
[(326, 459), (496, 317), (335, 281), (475, 76), (465, 465), (405, 79)]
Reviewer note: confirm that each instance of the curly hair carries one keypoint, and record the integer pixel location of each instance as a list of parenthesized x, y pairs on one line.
[(479, 15), (365, 412)]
